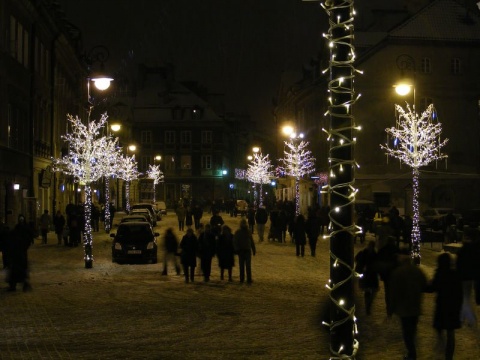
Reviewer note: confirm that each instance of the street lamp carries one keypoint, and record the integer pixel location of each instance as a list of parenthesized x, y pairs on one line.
[(406, 63)]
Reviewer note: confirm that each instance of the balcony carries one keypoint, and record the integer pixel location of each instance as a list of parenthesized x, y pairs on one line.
[(42, 149)]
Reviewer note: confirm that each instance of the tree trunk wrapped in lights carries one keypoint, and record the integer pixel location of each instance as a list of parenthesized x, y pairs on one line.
[(342, 322), (128, 172), (86, 149), (298, 162), (259, 172), (156, 175), (111, 164), (416, 142)]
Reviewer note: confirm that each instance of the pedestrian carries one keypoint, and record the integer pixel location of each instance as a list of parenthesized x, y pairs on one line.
[(216, 222), (275, 223), (59, 224), (189, 217), (447, 284), (19, 240), (45, 223), (188, 255), (113, 210), (197, 215), (261, 218), (312, 227), (385, 264), (299, 235), (244, 247), (365, 261), (171, 249), (181, 214), (408, 283), (95, 218), (251, 218), (468, 267), (225, 252), (206, 249), (75, 230), (4, 235)]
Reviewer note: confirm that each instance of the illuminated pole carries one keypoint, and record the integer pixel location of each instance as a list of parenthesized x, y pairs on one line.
[(342, 324)]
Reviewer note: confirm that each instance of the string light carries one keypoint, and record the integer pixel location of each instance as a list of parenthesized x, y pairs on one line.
[(341, 190), (298, 162), (128, 172), (416, 143)]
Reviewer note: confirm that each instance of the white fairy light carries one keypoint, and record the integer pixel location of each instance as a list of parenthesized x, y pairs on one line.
[(298, 162), (156, 175), (260, 171)]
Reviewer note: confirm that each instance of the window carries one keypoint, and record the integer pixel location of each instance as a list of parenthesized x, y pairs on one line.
[(185, 137), (169, 137), (206, 162), (196, 113), (146, 137), (426, 66), (186, 162), (144, 162), (206, 137), (18, 41), (177, 113), (169, 162), (456, 66)]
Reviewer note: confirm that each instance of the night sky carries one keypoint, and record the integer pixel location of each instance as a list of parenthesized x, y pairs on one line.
[(236, 47)]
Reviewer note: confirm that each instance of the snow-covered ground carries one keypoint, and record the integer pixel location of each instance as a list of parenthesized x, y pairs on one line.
[(117, 311)]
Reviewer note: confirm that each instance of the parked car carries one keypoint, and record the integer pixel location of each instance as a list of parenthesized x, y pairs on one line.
[(435, 217), (145, 213), (134, 218), (150, 208), (161, 207), (134, 241), (117, 218), (241, 208), (471, 218)]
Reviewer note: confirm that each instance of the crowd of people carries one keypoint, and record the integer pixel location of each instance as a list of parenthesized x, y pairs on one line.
[(454, 283)]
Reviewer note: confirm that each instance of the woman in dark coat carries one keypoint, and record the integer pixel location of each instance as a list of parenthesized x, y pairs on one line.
[(59, 224), (299, 235), (225, 252), (188, 217), (447, 284), (189, 248), (313, 230), (18, 242)]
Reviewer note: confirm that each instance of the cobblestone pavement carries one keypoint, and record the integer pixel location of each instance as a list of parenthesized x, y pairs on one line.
[(132, 312)]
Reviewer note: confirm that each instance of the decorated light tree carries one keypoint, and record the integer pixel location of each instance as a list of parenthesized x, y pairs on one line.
[(416, 142), (156, 175), (111, 166), (85, 150), (128, 172), (259, 172), (298, 162)]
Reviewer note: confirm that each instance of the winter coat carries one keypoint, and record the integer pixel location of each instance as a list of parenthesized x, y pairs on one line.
[(18, 242), (448, 304), (189, 248), (407, 284), (299, 231), (171, 243), (206, 244), (243, 241), (225, 251), (59, 223), (261, 216), (365, 261), (468, 261)]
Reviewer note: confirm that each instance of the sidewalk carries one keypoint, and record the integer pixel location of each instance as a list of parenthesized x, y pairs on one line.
[(132, 312)]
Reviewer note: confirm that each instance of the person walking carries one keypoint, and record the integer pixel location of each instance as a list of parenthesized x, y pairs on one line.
[(385, 264), (225, 252), (19, 240), (197, 215), (468, 267), (59, 224), (206, 248), (447, 284), (4, 236), (189, 217), (188, 255), (299, 235), (312, 227), (45, 222), (170, 248), (365, 261), (244, 247), (408, 283), (181, 214), (261, 218), (251, 219)]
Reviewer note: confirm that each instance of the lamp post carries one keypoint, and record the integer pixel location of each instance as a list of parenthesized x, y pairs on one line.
[(116, 127), (158, 158), (406, 63)]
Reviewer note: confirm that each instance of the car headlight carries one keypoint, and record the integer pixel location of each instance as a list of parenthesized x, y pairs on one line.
[(151, 245), (118, 246)]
